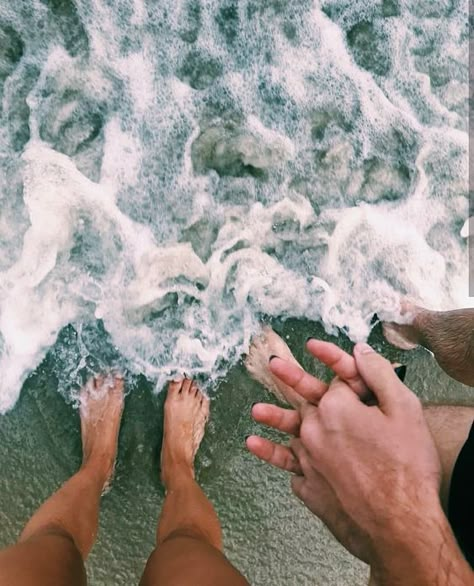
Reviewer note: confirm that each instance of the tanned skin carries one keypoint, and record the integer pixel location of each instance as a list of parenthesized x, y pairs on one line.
[(383, 504)]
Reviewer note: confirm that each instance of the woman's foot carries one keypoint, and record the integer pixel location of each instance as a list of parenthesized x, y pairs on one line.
[(186, 414), (263, 347), (101, 407)]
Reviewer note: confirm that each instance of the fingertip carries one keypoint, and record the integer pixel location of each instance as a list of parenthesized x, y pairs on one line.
[(362, 348), (252, 442), (275, 364), (311, 343), (257, 410)]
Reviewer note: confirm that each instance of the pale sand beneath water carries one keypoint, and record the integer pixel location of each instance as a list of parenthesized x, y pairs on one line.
[(268, 535)]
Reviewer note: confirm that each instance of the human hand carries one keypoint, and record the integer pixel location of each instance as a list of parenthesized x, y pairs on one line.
[(380, 462), (362, 468), (310, 389)]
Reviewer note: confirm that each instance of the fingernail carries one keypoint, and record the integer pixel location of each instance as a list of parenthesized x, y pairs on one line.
[(256, 402), (364, 349), (272, 357), (308, 339), (401, 372), (246, 438)]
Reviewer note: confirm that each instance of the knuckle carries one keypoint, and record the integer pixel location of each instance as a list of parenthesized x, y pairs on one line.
[(412, 401), (330, 404), (407, 402), (307, 432)]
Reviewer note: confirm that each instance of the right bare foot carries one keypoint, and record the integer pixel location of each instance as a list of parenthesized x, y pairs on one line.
[(449, 335), (101, 406), (186, 414), (263, 347), (404, 335)]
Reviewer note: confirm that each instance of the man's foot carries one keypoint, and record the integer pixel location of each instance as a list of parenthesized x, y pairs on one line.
[(263, 347), (447, 334), (101, 406), (186, 414), (405, 335)]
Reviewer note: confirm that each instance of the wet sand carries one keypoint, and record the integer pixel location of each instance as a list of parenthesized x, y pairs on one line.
[(268, 534)]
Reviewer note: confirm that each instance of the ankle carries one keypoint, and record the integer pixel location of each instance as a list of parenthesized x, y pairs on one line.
[(175, 473), (98, 465)]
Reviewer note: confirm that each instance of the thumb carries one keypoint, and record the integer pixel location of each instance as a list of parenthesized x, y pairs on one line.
[(380, 377)]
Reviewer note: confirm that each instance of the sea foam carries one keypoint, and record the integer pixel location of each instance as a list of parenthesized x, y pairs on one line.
[(172, 173)]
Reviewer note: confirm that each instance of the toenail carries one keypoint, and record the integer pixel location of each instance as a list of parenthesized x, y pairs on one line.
[(375, 319), (272, 357), (401, 372)]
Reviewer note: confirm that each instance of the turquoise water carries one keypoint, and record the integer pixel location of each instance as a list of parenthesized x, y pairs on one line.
[(174, 173)]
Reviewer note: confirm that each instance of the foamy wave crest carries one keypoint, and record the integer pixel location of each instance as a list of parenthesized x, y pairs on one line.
[(172, 173)]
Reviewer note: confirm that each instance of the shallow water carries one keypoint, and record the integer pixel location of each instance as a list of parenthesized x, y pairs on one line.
[(269, 536), (174, 173)]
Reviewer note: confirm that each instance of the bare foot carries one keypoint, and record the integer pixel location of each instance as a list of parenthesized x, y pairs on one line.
[(101, 406), (449, 335), (186, 414), (404, 335), (263, 347)]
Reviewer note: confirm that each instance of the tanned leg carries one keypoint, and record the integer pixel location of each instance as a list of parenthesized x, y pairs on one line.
[(189, 538), (56, 541)]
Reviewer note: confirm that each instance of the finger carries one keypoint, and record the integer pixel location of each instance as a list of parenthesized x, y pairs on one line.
[(308, 411), (285, 420), (316, 493), (339, 404), (342, 363), (302, 456), (275, 454), (309, 387), (380, 377), (298, 486)]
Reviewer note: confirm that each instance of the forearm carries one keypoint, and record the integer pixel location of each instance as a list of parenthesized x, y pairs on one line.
[(424, 553)]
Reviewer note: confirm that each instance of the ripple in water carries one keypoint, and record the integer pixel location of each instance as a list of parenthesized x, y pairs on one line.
[(171, 172)]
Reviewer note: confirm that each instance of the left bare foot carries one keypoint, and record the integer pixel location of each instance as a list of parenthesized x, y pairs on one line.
[(186, 414), (101, 406)]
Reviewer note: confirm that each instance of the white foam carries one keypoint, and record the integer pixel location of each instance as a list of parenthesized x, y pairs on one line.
[(322, 188)]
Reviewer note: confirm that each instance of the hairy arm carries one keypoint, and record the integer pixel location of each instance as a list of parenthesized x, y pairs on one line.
[(421, 551)]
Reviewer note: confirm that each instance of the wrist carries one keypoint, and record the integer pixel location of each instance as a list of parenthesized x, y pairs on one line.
[(419, 549)]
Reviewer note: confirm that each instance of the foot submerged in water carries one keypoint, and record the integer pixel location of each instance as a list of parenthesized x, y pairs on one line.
[(186, 415), (101, 407)]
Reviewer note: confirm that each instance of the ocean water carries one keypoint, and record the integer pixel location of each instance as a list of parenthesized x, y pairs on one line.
[(172, 173)]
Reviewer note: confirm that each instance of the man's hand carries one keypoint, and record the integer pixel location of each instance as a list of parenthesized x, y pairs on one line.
[(309, 388), (372, 475)]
